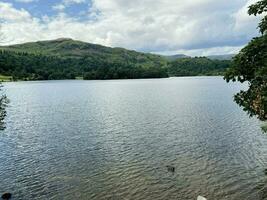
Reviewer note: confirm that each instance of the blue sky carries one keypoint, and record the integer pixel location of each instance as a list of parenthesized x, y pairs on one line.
[(193, 27), (39, 8)]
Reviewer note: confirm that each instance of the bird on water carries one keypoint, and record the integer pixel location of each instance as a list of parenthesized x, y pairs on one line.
[(170, 168)]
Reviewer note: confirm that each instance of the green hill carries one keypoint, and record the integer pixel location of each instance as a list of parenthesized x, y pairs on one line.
[(69, 48), (68, 59), (175, 57), (221, 57)]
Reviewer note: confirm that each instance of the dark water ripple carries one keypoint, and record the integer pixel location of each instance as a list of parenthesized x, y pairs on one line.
[(113, 139)]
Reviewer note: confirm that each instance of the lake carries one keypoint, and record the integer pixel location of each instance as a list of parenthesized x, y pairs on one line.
[(113, 140)]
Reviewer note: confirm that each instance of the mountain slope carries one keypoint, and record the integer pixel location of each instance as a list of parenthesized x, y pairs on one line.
[(68, 48), (66, 59), (221, 57), (174, 57), (56, 58)]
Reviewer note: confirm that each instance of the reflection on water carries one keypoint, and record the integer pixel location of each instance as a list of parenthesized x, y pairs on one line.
[(113, 140)]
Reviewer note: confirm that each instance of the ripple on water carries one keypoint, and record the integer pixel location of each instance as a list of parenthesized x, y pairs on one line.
[(103, 140)]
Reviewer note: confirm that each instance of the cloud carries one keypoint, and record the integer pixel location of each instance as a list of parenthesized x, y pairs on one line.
[(170, 25), (69, 2), (243, 22), (192, 26), (25, 1), (59, 7), (66, 3), (204, 52), (9, 14)]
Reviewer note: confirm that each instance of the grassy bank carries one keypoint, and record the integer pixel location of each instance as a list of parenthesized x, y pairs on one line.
[(4, 78)]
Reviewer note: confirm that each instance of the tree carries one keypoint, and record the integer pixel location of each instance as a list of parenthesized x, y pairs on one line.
[(250, 65)]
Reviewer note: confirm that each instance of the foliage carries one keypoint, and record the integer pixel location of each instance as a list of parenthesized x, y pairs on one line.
[(24, 66), (121, 71), (250, 65), (259, 8), (197, 66)]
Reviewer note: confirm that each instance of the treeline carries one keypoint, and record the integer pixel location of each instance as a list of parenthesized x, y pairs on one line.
[(197, 66), (25, 66), (28, 66), (121, 71)]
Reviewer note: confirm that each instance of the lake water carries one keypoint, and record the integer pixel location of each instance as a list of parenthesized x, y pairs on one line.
[(101, 140)]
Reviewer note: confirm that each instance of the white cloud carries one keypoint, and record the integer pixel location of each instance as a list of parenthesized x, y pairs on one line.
[(205, 52), (192, 26), (69, 2), (9, 14), (66, 3), (25, 1), (59, 7), (244, 22)]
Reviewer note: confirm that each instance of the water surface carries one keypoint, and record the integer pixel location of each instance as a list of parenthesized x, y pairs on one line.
[(113, 139)]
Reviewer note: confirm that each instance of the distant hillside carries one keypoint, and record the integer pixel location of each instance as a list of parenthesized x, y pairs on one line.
[(197, 66), (221, 57), (212, 57), (174, 57), (68, 48), (68, 59)]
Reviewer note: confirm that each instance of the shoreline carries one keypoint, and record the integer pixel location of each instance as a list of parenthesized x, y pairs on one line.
[(79, 79)]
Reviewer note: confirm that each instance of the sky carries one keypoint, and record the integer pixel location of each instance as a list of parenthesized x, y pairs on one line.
[(192, 27)]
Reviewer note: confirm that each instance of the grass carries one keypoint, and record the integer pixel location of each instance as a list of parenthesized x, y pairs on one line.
[(4, 78)]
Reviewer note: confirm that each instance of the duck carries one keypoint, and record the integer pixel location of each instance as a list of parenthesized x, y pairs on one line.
[(170, 168)]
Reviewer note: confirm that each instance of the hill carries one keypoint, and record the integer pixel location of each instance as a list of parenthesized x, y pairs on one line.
[(197, 66), (67, 59), (212, 57), (174, 57), (221, 57)]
